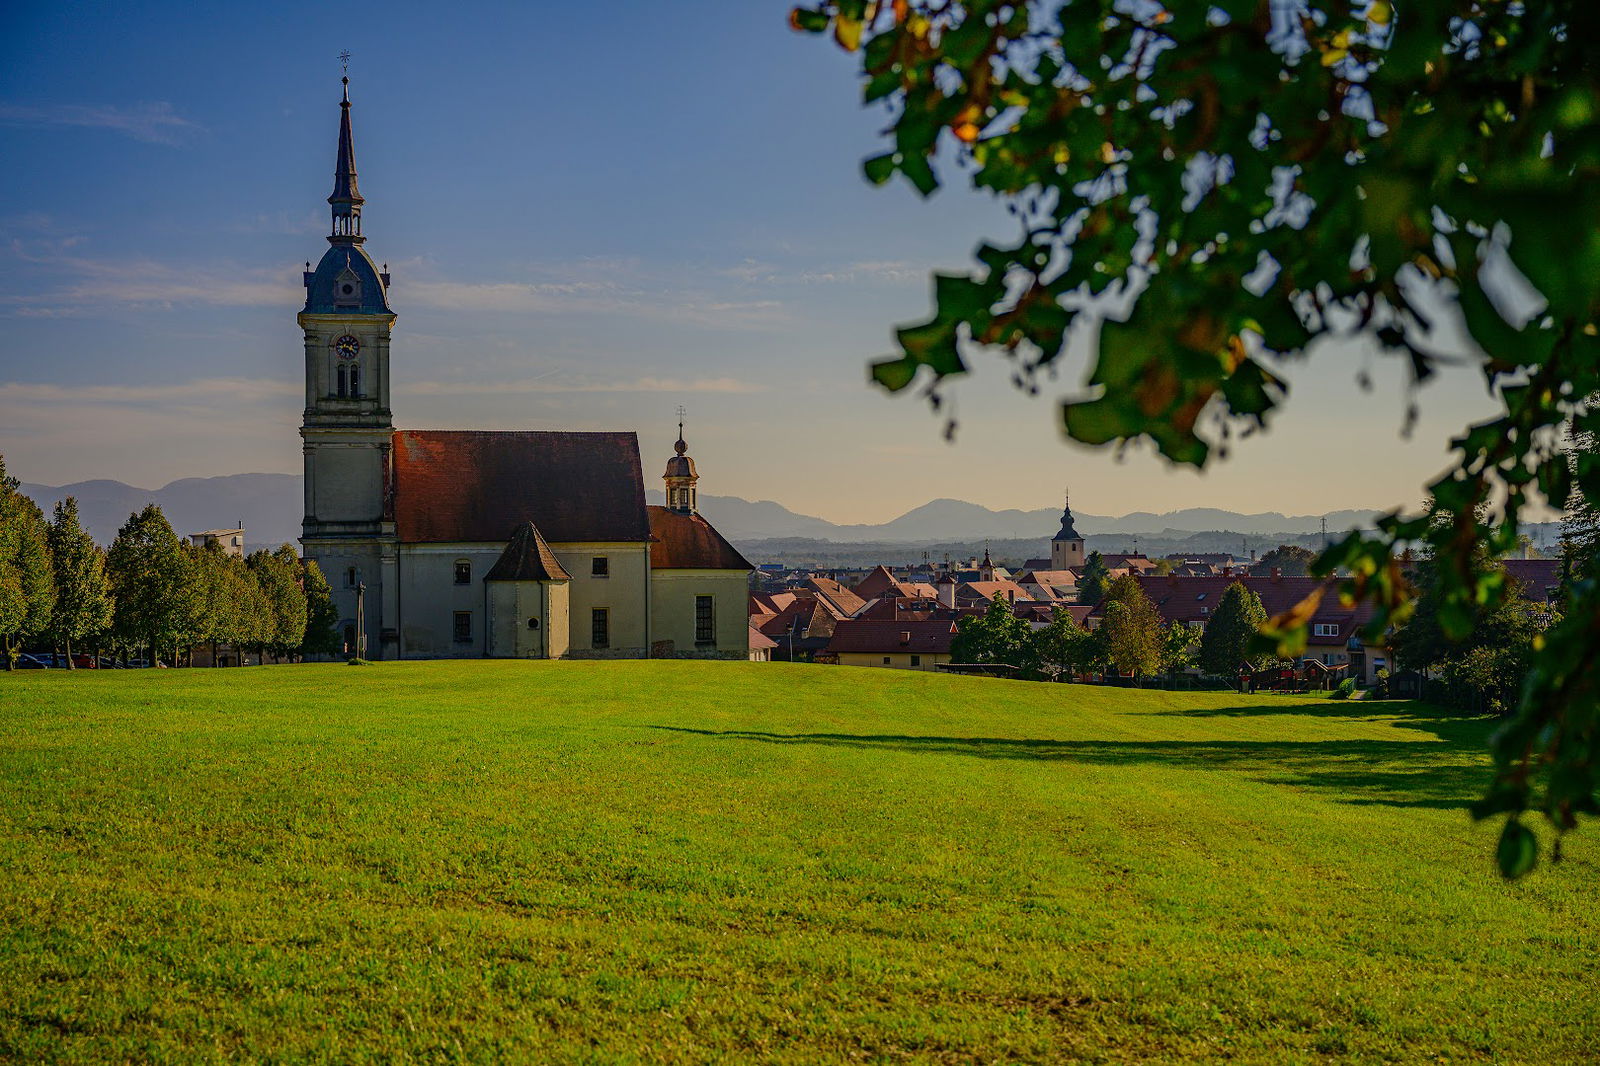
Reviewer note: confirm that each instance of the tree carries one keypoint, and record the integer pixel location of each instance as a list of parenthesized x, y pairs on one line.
[(322, 617), (1063, 645), (1093, 581), (278, 576), (1288, 560), (83, 594), (1220, 185), (150, 584), (995, 636), (27, 581), (1181, 648), (1231, 631), (1131, 633), (1580, 525)]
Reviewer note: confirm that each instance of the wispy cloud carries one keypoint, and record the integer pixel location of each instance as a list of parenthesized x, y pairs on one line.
[(205, 389), (542, 384), (595, 297), (757, 272), (97, 284), (152, 123)]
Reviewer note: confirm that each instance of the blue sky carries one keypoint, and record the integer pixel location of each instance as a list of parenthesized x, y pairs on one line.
[(593, 213)]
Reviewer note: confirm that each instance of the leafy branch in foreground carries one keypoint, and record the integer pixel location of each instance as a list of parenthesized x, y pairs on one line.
[(1217, 185)]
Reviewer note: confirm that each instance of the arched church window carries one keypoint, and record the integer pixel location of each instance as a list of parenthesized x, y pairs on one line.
[(344, 381), (355, 382)]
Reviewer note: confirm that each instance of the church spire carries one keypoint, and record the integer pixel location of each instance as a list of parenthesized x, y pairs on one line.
[(346, 199), (1068, 530)]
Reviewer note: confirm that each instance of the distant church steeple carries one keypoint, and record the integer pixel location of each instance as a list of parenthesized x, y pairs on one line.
[(346, 200), (1066, 548), (681, 477)]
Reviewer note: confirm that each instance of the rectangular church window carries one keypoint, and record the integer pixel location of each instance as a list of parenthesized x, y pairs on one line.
[(599, 628), (600, 567), (463, 627), (463, 572), (705, 621)]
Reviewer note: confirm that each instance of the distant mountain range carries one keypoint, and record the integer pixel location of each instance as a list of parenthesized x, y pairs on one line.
[(270, 507), (946, 520)]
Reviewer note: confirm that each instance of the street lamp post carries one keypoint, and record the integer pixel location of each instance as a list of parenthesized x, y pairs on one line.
[(361, 620)]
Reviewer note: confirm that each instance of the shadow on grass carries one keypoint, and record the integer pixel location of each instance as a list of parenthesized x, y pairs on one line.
[(1393, 773)]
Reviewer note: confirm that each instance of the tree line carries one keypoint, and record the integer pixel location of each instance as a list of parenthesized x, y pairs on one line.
[(1132, 639), (150, 593)]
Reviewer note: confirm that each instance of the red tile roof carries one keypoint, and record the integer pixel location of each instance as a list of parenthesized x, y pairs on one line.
[(469, 486), (1194, 599), (689, 542), (838, 597), (1534, 575), (874, 637), (759, 640)]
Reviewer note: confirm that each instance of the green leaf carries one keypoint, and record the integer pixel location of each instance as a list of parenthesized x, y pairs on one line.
[(919, 173), (880, 168), (895, 374), (1518, 850)]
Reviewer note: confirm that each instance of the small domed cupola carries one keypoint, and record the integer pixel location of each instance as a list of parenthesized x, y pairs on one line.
[(681, 476)]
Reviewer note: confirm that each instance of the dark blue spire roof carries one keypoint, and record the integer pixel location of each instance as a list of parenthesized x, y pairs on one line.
[(346, 265), (1067, 531)]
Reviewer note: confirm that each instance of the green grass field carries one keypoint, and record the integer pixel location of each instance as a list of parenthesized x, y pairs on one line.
[(590, 862)]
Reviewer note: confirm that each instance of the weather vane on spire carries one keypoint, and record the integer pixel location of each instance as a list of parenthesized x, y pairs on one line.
[(344, 61), (681, 413)]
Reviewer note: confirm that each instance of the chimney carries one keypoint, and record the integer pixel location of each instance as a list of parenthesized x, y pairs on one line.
[(1277, 573)]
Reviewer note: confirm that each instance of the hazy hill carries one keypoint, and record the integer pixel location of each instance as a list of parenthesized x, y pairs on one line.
[(271, 506), (945, 520)]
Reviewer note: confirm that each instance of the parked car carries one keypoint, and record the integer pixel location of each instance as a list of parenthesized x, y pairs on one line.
[(84, 662), (31, 662)]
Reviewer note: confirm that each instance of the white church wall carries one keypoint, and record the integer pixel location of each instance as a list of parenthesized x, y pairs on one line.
[(623, 593), (430, 599), (672, 613)]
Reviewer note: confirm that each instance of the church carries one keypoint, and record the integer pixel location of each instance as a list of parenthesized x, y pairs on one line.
[(470, 544)]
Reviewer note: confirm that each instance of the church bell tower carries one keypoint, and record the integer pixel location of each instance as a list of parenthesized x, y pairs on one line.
[(1066, 548), (347, 429)]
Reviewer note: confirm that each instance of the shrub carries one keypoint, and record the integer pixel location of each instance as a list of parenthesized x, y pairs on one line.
[(1346, 689)]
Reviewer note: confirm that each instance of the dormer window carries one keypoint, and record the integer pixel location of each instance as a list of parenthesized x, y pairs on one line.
[(347, 288)]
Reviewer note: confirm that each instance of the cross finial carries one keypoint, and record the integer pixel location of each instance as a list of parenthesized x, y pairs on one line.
[(681, 413)]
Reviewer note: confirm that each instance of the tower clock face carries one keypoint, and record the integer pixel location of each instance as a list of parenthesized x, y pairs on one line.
[(347, 347)]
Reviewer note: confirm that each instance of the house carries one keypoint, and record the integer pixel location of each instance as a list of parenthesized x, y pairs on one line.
[(901, 644), (231, 541), (761, 646)]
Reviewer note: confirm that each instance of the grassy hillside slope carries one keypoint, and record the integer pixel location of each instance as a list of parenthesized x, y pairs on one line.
[(676, 861)]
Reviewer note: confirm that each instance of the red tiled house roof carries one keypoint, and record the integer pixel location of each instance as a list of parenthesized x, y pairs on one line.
[(461, 486), (689, 542), (1195, 599), (1534, 576), (874, 637), (840, 598)]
